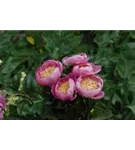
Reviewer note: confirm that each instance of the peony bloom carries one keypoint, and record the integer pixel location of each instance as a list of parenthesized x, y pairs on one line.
[(90, 86), (75, 59), (64, 89), (49, 73), (2, 106), (86, 69)]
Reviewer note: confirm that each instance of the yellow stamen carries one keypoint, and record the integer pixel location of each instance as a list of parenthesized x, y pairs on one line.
[(47, 72), (63, 88), (88, 84)]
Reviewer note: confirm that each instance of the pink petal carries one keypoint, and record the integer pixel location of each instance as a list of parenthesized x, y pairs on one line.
[(73, 76), (96, 68), (2, 102), (49, 63), (64, 61), (75, 59), (1, 115), (60, 66), (98, 79), (70, 94), (98, 96), (87, 69)]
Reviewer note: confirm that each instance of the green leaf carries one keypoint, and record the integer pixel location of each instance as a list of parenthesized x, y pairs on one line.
[(11, 64), (130, 45), (132, 105), (116, 98), (30, 85), (125, 68), (23, 108), (37, 107), (102, 111), (131, 81)]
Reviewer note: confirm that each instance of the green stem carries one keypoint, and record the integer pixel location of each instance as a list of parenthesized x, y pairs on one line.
[(25, 96)]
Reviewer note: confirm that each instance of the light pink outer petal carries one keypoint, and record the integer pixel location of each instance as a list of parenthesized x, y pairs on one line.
[(49, 63), (83, 70), (98, 96), (75, 59), (2, 102), (55, 76), (1, 115), (99, 80), (96, 68), (85, 57), (86, 70), (52, 63), (88, 93), (60, 66), (71, 92)]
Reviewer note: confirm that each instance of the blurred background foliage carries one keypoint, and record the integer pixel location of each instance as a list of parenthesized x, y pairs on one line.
[(21, 52)]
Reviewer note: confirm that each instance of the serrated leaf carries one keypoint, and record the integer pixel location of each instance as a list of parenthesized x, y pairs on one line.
[(125, 68), (23, 108), (131, 45), (101, 112), (116, 98), (11, 65)]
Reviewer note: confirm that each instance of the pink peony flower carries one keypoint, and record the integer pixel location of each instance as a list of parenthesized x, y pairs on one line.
[(90, 86), (2, 106), (75, 59), (86, 69), (49, 73), (64, 89)]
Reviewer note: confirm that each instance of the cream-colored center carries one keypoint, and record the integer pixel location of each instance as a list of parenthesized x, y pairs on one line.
[(63, 88), (89, 84), (47, 72)]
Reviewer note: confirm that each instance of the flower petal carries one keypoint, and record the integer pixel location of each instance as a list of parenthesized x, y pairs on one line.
[(75, 59), (96, 68), (1, 115), (98, 96), (2, 102)]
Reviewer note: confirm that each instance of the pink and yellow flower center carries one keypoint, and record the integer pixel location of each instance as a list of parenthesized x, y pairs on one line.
[(63, 87), (83, 66), (88, 84), (47, 72)]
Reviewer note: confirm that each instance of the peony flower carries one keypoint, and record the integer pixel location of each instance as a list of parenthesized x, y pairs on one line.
[(90, 86), (86, 69), (49, 73), (75, 59), (64, 89), (2, 106)]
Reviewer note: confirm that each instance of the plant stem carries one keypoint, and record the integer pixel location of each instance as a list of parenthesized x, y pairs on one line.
[(25, 96)]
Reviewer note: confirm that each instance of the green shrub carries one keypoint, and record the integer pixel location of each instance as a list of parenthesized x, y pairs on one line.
[(21, 52)]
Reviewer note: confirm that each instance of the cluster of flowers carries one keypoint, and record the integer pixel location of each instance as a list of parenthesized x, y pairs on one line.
[(82, 80)]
